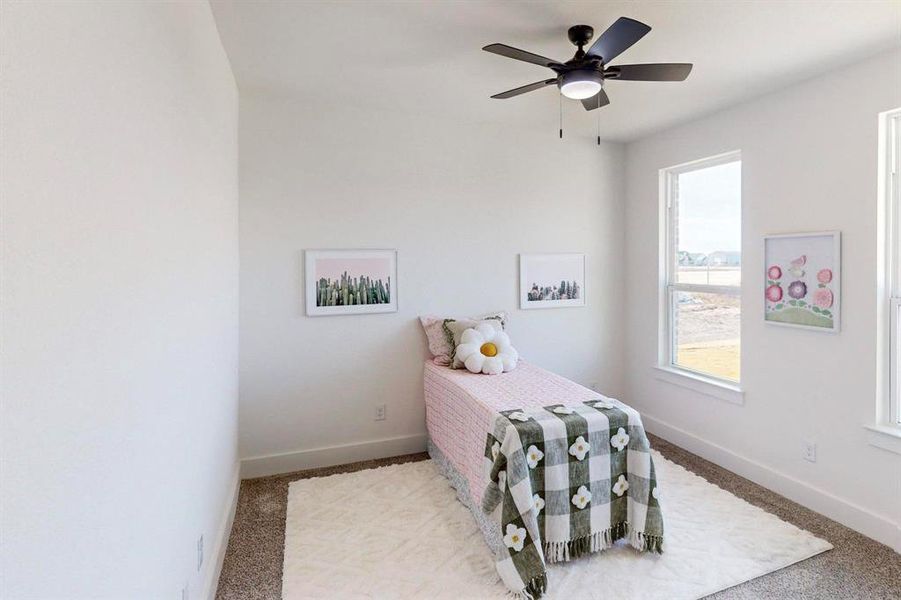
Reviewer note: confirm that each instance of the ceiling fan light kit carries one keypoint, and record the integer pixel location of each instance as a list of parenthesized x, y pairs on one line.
[(583, 76), (580, 84)]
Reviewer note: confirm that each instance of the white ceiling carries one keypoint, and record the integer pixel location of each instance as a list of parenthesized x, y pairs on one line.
[(426, 58)]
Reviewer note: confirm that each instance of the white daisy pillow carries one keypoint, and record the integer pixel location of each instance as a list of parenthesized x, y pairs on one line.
[(486, 349)]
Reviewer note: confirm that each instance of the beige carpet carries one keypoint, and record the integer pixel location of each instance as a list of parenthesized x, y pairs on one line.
[(398, 532)]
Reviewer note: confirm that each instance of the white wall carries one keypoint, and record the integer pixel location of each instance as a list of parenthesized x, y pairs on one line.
[(459, 202), (809, 163), (119, 298)]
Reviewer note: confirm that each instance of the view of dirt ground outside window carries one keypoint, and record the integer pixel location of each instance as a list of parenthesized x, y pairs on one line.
[(705, 280), (707, 333)]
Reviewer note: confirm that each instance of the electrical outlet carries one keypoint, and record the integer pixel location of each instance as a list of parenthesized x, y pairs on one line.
[(381, 412), (810, 451), (200, 553)]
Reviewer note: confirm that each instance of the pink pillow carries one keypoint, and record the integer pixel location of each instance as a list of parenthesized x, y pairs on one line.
[(441, 342)]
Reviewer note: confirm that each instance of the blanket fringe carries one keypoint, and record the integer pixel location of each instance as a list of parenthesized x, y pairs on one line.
[(534, 590), (595, 542), (646, 543), (600, 540)]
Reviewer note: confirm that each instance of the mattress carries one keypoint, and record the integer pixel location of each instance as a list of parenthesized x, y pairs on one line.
[(461, 407)]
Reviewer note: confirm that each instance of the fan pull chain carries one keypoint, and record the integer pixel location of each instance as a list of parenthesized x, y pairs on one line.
[(599, 118), (560, 96)]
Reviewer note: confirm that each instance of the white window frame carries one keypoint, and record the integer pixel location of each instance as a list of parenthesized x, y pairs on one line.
[(668, 369), (892, 195), (886, 432)]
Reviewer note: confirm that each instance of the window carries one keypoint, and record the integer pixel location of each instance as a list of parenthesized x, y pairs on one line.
[(890, 412), (701, 258)]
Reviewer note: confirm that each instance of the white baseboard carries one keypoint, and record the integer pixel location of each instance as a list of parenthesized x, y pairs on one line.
[(221, 542), (273, 464), (847, 513)]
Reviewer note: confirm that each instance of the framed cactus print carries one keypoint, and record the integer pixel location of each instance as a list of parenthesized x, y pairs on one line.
[(551, 280), (803, 280), (350, 282)]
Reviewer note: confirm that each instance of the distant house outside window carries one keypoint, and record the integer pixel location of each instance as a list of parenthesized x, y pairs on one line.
[(701, 279)]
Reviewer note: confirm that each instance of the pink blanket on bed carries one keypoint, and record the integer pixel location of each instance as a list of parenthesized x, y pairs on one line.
[(461, 408)]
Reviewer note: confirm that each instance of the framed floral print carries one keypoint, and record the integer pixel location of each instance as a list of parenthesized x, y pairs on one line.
[(803, 280)]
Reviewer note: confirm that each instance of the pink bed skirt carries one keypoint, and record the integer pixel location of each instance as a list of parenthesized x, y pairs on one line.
[(461, 408)]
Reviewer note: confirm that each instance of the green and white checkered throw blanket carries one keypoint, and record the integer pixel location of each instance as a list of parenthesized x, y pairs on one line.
[(566, 481)]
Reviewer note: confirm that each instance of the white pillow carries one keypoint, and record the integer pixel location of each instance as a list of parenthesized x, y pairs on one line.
[(485, 349), (453, 330)]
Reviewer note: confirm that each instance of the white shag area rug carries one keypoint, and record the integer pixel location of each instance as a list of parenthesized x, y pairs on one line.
[(400, 532)]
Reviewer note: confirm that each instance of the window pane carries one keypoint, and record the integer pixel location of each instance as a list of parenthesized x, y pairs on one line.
[(707, 231), (707, 333), (895, 355), (893, 199)]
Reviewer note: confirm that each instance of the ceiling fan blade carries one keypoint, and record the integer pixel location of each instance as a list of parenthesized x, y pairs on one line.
[(618, 37), (597, 101), (529, 57), (650, 72), (526, 88)]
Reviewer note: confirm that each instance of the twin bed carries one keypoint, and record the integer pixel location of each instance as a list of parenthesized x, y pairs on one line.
[(549, 469)]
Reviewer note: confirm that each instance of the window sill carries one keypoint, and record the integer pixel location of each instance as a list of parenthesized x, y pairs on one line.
[(701, 384), (887, 437)]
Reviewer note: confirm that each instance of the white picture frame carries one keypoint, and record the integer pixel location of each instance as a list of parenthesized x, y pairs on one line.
[(543, 274), (807, 293), (333, 275)]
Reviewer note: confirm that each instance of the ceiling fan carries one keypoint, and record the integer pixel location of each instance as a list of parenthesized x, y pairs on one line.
[(582, 77)]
